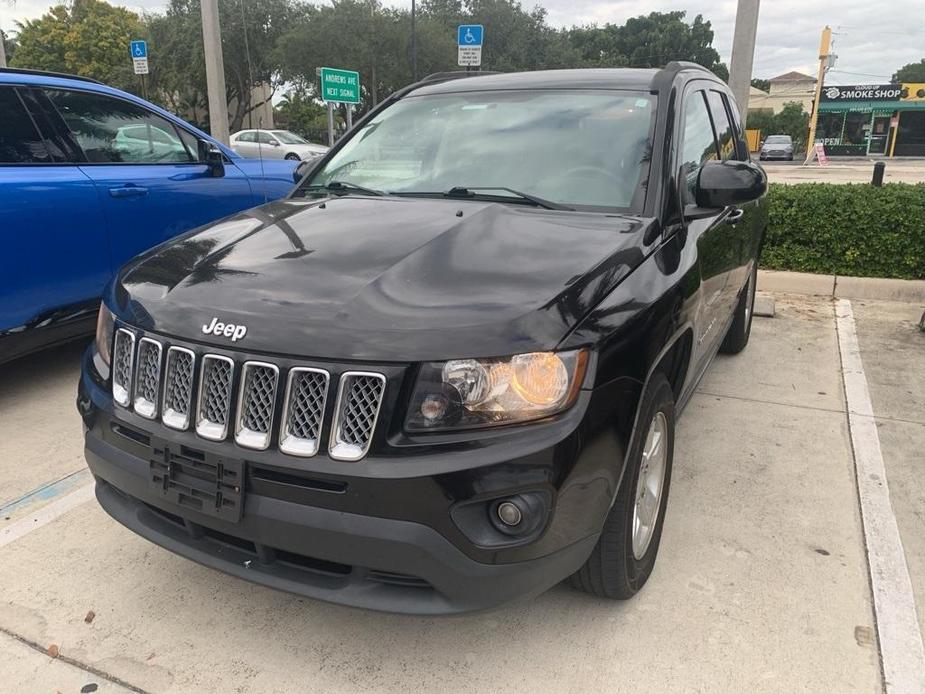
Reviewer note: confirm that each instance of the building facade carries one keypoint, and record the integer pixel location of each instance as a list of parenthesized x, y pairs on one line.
[(877, 119), (784, 89)]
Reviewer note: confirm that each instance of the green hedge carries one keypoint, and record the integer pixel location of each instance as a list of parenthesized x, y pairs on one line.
[(847, 229)]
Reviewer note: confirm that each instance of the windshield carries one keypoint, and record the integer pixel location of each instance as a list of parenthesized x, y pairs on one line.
[(585, 148), (288, 138), (778, 140)]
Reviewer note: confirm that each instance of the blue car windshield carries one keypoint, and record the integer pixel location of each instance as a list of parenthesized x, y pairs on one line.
[(579, 148)]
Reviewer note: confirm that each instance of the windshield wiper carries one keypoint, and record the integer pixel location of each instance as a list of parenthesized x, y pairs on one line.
[(343, 188), (472, 191)]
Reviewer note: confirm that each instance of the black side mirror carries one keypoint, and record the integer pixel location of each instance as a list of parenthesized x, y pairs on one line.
[(301, 169), (724, 183), (215, 160)]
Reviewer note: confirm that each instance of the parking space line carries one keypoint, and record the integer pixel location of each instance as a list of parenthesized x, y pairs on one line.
[(45, 515), (47, 492), (901, 649)]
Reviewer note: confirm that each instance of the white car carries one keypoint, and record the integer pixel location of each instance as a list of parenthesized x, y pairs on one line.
[(274, 144)]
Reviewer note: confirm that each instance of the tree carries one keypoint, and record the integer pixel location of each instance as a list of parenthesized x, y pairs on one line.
[(792, 120), (298, 112), (913, 72), (251, 32), (89, 38), (763, 85)]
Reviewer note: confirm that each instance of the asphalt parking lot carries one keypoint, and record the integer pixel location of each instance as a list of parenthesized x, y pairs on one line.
[(762, 584)]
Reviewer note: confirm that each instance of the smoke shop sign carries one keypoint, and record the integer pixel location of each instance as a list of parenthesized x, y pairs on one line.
[(863, 92)]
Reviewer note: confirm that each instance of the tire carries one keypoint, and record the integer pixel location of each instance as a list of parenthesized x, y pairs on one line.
[(737, 336), (292, 156), (618, 567)]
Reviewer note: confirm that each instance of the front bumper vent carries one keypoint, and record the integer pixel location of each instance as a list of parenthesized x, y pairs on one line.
[(202, 390)]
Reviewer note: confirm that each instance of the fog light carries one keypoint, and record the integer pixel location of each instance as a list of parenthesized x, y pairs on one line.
[(509, 513)]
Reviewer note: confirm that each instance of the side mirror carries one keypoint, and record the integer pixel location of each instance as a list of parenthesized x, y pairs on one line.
[(274, 143), (301, 169), (215, 160), (724, 183)]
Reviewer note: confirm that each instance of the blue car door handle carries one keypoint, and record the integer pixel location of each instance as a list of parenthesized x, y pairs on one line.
[(128, 192)]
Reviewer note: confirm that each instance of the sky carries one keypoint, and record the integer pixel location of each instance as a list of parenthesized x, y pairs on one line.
[(870, 41)]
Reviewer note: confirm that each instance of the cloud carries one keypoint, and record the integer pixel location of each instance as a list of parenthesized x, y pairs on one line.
[(870, 40)]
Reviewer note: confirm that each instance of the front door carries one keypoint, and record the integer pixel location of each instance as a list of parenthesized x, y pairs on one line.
[(147, 172), (879, 135)]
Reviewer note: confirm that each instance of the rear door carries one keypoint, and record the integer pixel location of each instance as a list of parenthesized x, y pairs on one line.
[(246, 144), (147, 171), (55, 258)]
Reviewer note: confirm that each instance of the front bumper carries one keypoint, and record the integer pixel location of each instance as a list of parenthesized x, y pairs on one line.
[(380, 543)]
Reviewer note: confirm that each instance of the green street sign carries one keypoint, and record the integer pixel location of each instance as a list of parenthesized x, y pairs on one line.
[(341, 86)]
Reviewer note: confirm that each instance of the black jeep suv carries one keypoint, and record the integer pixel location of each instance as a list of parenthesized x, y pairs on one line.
[(445, 371)]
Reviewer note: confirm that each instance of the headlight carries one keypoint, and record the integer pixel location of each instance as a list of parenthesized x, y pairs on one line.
[(467, 393), (104, 328)]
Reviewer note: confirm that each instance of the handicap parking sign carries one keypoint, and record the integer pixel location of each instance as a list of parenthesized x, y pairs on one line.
[(469, 35), (139, 49)]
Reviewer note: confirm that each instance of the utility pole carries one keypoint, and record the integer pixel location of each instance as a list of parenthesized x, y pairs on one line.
[(825, 45), (215, 71), (743, 54), (2, 49)]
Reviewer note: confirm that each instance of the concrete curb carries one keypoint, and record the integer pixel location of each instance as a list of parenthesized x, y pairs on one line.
[(911, 291)]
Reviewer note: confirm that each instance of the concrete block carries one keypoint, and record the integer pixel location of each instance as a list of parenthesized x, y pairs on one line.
[(795, 283), (764, 306)]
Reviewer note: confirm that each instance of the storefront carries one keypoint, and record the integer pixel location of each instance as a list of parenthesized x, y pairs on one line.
[(879, 119)]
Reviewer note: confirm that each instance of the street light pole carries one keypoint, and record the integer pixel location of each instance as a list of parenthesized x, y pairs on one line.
[(825, 47), (414, 43), (215, 71), (743, 54)]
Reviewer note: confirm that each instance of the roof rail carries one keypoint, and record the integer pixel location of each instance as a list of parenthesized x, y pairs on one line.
[(46, 73), (678, 65), (454, 75)]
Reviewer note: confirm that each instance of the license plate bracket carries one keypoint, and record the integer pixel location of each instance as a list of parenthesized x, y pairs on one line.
[(192, 479)]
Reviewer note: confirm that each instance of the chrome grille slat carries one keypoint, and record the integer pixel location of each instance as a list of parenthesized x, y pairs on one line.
[(303, 411), (178, 388), (214, 401), (123, 361), (256, 401), (147, 377), (359, 399)]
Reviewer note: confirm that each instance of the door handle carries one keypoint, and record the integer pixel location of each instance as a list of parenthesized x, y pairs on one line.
[(128, 192), (735, 216)]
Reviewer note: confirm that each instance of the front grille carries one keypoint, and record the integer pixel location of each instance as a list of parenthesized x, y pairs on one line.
[(303, 411), (147, 377), (215, 383), (358, 400), (178, 388), (256, 399), (123, 358), (202, 390)]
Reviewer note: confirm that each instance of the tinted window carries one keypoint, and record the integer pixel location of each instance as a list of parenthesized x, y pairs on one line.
[(584, 147), (698, 145), (112, 130), (20, 142), (724, 134)]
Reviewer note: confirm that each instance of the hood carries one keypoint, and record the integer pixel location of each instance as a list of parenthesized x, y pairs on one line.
[(308, 149), (383, 279)]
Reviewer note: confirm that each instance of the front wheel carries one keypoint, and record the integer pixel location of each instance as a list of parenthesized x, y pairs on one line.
[(624, 556), (292, 156), (741, 327)]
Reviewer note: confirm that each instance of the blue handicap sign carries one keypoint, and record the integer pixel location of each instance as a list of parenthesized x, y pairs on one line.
[(469, 35), (139, 49)]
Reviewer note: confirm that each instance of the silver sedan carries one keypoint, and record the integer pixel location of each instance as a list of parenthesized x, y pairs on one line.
[(274, 144)]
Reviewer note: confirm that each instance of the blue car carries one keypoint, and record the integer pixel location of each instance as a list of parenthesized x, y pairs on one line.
[(90, 176)]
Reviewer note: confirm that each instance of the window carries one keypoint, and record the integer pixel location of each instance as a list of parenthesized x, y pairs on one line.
[(20, 142), (698, 144), (725, 135), (114, 131), (586, 148), (288, 138), (264, 138), (249, 136)]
